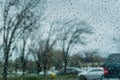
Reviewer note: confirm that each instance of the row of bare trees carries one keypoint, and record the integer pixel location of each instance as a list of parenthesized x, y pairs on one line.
[(55, 58), (22, 25), (19, 18)]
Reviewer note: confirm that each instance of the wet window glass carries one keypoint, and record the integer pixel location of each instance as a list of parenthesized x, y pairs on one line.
[(59, 39)]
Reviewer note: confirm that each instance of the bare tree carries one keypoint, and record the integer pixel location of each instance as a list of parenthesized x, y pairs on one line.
[(93, 56), (70, 34), (75, 60), (44, 46), (22, 56), (36, 55), (16, 21)]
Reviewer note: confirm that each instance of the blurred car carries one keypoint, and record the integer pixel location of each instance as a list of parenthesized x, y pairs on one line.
[(48, 73), (70, 71), (112, 67), (91, 74)]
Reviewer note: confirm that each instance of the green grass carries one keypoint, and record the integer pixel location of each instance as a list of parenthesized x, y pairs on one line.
[(38, 77)]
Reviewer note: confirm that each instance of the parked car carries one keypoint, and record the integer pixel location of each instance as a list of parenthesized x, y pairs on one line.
[(70, 71), (91, 74), (48, 73), (112, 66)]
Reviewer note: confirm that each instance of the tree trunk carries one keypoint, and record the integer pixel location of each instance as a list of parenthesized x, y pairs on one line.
[(65, 65), (44, 67), (23, 61), (23, 65), (16, 69), (38, 67), (5, 66)]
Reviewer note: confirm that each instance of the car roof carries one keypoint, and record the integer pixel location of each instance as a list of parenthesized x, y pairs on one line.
[(71, 67), (92, 68), (75, 68), (114, 54)]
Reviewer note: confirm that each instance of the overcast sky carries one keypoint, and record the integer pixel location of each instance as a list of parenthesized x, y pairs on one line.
[(103, 15)]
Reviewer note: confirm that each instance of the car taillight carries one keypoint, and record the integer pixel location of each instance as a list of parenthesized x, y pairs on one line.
[(105, 71)]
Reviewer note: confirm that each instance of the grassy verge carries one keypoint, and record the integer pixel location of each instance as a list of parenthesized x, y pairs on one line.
[(38, 77)]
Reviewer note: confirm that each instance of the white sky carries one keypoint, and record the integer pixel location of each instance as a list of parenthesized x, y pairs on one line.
[(103, 15)]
